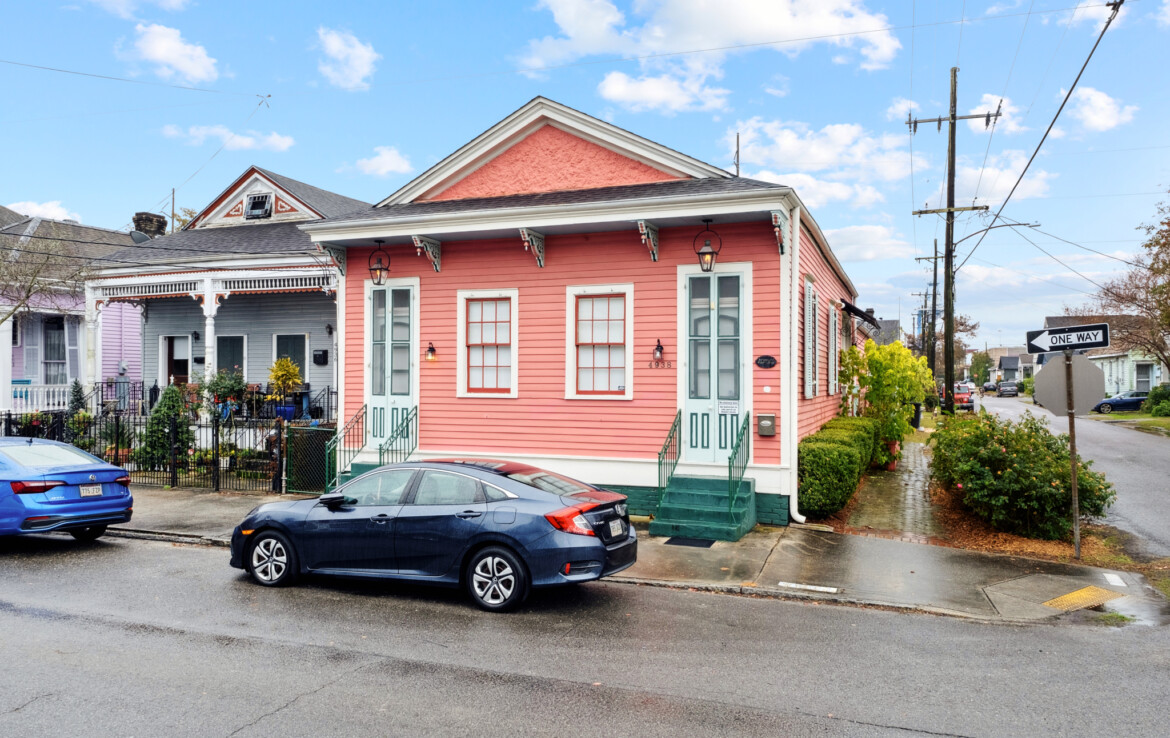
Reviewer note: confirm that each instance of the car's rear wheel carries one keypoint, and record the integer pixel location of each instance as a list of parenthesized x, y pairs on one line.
[(496, 579), (272, 560), (1106, 408), (88, 535)]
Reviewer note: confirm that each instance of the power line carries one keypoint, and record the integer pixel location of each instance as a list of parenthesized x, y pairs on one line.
[(112, 78), (1116, 6)]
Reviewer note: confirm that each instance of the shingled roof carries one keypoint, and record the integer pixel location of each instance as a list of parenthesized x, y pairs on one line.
[(191, 247), (76, 239), (327, 203)]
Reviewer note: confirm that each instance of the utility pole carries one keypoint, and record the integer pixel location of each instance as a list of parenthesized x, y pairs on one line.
[(930, 337), (949, 253), (921, 323)]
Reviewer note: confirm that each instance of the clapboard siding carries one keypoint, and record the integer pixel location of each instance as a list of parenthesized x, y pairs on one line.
[(540, 419), (258, 318), (816, 411), (121, 341)]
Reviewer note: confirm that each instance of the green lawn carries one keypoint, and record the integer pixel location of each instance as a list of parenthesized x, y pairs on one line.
[(1137, 418)]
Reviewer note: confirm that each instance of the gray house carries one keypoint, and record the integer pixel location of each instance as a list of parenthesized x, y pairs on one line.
[(239, 287)]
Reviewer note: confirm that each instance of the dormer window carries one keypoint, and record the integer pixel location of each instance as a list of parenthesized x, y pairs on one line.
[(259, 206)]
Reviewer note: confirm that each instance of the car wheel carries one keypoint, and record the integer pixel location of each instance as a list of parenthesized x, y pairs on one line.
[(88, 535), (272, 560), (496, 579), (1106, 408)]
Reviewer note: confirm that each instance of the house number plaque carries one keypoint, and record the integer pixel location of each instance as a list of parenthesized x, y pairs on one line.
[(766, 362)]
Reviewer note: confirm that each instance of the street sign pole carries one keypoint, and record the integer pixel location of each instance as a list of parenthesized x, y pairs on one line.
[(1072, 447)]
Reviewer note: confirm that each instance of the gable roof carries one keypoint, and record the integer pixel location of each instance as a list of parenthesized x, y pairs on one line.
[(188, 248), (534, 114), (323, 202), (76, 239), (8, 217), (1009, 362)]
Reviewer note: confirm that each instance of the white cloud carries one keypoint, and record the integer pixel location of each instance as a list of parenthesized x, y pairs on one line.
[(385, 161), (867, 243), (348, 62), (1003, 7), (779, 85), (993, 182), (1097, 111), (1009, 121), (248, 141), (51, 209), (1096, 13), (665, 93), (172, 56), (1163, 15), (815, 192), (900, 108), (127, 8)]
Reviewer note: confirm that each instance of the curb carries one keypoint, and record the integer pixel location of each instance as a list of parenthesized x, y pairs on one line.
[(194, 539)]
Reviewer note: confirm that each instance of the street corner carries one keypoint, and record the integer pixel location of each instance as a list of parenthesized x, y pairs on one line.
[(1089, 596)]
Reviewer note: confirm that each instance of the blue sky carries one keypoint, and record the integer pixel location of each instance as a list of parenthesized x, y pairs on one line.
[(366, 95)]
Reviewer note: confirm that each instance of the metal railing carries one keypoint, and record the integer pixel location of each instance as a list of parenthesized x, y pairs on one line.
[(30, 398), (737, 462), (669, 455), (402, 441), (345, 445)]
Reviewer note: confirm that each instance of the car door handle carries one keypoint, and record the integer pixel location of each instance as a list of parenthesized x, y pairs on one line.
[(466, 514), (380, 518)]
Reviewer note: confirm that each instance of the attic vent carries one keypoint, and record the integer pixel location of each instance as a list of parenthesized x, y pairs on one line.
[(259, 206)]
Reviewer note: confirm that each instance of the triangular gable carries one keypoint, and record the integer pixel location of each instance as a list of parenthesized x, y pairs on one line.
[(537, 139), (228, 208)]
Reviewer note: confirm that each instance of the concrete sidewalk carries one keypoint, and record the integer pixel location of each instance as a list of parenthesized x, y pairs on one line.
[(793, 562)]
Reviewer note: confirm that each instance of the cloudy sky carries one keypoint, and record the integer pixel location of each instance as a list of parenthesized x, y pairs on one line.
[(360, 97)]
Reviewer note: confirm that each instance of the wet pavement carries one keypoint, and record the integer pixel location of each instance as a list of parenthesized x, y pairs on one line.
[(897, 504)]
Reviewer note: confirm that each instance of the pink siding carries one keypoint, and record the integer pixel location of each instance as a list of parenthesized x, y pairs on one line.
[(121, 341), (547, 160), (541, 420), (816, 411)]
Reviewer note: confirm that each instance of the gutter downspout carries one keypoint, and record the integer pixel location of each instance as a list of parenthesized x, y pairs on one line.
[(791, 391)]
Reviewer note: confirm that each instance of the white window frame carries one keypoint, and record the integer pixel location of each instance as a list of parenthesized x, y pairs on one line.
[(164, 379), (461, 298), (308, 354), (834, 343), (244, 366), (812, 343), (271, 205), (572, 292), (17, 336)]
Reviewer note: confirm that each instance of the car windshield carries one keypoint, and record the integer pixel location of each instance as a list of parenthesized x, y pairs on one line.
[(44, 454), (549, 481)]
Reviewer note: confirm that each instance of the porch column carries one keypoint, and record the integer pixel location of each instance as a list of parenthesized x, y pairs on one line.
[(6, 363), (91, 338), (210, 308)]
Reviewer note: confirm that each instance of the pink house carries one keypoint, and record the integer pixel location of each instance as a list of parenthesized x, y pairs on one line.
[(562, 292)]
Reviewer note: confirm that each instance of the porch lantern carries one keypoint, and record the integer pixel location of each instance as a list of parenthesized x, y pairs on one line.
[(379, 264), (707, 253), (432, 355), (658, 351)]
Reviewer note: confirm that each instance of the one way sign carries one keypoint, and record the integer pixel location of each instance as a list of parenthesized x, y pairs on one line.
[(1095, 335)]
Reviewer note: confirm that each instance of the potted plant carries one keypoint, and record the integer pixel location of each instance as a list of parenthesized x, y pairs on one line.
[(284, 377)]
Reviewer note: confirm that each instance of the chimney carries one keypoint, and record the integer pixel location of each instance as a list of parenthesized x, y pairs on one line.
[(869, 311), (151, 224)]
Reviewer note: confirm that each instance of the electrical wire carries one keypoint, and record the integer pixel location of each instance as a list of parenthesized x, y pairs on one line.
[(121, 79)]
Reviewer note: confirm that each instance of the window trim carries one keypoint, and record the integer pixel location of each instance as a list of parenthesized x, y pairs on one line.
[(244, 366), (308, 354), (461, 298), (17, 336), (572, 293), (271, 206)]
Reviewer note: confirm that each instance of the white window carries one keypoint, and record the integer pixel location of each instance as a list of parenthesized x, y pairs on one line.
[(487, 334), (834, 337), (599, 342), (259, 206), (811, 341)]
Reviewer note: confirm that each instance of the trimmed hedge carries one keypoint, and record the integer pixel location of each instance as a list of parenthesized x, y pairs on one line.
[(852, 438), (828, 476), (868, 426)]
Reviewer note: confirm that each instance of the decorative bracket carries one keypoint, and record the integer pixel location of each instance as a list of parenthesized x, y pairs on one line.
[(337, 253), (780, 226), (649, 233), (536, 241), (432, 248)]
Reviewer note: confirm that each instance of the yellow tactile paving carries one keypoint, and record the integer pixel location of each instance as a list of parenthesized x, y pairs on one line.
[(1083, 598)]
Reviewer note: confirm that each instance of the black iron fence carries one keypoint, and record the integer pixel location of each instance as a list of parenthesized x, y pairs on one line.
[(258, 403)]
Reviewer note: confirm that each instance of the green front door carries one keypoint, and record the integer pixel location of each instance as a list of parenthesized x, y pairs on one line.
[(713, 406), (393, 314)]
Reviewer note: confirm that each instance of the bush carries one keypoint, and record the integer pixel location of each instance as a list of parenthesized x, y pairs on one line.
[(865, 425), (155, 451), (1161, 410), (856, 439), (1158, 394), (1028, 386), (1016, 476), (828, 476)]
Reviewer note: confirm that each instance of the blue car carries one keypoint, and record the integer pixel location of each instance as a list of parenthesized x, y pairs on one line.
[(1131, 400), (497, 528), (47, 486)]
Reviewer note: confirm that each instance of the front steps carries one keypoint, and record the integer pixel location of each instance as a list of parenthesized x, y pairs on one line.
[(697, 507)]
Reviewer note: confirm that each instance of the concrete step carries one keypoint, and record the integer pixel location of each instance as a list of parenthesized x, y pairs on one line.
[(700, 513), (704, 531)]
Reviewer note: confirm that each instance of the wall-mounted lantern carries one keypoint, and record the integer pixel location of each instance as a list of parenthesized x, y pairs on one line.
[(712, 245)]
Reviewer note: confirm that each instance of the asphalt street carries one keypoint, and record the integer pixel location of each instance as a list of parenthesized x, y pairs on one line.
[(1137, 463), (137, 638)]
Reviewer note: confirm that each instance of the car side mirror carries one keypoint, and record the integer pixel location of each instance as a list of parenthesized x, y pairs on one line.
[(335, 499)]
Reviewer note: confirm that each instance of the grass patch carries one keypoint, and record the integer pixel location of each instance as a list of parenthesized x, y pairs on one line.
[(1113, 619), (1163, 423)]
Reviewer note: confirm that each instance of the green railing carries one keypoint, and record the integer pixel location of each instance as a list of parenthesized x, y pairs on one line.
[(737, 463), (669, 455), (343, 447), (402, 441)]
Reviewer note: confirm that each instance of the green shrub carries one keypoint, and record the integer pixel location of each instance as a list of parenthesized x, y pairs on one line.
[(827, 476), (1158, 394), (1016, 476), (1028, 386), (1161, 410), (854, 439), (868, 426), (155, 450)]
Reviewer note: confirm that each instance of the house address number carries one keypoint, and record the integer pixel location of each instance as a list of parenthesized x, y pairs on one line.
[(660, 364)]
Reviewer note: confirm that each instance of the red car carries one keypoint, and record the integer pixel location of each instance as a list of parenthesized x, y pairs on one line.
[(963, 400)]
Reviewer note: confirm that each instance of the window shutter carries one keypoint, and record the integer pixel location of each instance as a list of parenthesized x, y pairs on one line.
[(809, 346), (816, 323), (31, 325), (833, 337), (72, 348)]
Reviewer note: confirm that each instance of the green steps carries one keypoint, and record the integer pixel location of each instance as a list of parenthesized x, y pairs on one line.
[(697, 507)]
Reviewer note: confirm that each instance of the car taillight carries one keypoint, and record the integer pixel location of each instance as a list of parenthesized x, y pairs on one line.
[(33, 487), (572, 520), (124, 481)]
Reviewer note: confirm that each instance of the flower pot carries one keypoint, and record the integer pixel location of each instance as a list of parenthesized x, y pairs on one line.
[(895, 447), (285, 412)]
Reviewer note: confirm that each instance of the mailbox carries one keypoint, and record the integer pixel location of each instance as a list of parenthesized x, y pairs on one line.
[(766, 424), (321, 357)]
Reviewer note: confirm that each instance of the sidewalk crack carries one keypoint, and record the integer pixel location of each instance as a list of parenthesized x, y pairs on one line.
[(292, 701), (20, 707)]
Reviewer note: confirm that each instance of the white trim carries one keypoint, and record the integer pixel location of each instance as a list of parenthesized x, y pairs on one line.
[(572, 292), (14, 321), (461, 298), (244, 366), (535, 114), (368, 287), (163, 378), (791, 406), (339, 346)]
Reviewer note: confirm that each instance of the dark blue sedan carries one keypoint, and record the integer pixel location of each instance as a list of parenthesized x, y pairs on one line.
[(1131, 400), (497, 528), (47, 486)]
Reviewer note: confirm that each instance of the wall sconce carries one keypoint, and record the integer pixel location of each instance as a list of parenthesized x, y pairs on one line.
[(329, 329), (658, 351), (707, 253), (432, 355), (195, 335), (379, 264)]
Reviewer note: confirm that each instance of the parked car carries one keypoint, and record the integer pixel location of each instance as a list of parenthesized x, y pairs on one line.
[(1131, 400), (49, 486), (963, 398), (989, 387), (1007, 389), (497, 528)]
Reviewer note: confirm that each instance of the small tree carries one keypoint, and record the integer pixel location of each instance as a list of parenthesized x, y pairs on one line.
[(285, 376), (889, 380), (981, 367), (155, 450), (76, 397)]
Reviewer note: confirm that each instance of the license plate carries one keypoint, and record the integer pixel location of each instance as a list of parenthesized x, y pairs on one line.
[(615, 527), (91, 490)]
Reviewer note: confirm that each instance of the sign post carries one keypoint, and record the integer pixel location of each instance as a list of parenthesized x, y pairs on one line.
[(1083, 383)]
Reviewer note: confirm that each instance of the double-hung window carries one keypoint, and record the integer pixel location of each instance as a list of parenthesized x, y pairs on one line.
[(487, 340), (598, 337)]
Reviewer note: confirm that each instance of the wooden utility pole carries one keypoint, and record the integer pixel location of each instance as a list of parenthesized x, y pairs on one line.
[(949, 253), (930, 337), (921, 337)]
